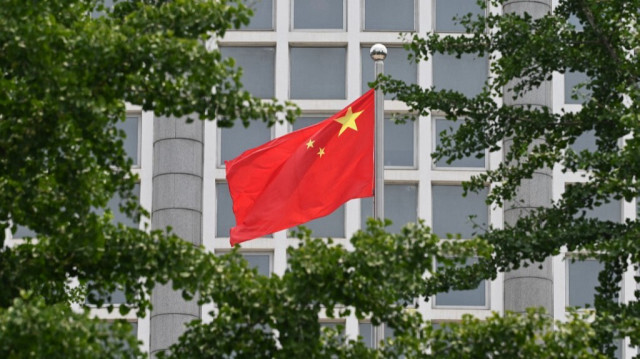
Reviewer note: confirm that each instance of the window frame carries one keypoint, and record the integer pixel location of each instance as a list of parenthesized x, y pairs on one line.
[(219, 162), (294, 45), (434, 141), (487, 297), (363, 19), (138, 114), (434, 18)]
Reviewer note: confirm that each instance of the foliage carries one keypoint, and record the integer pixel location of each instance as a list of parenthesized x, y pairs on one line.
[(65, 75)]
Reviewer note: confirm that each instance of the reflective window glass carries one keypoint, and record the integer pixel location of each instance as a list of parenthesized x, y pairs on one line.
[(611, 211), (571, 80), (367, 332), (400, 206), (454, 214), (118, 215), (314, 14), (262, 18), (396, 65), (399, 143), (258, 68), (260, 261), (464, 298), (447, 10), (331, 225), (22, 232), (377, 15), (582, 282), (466, 162), (237, 139), (586, 141), (318, 72), (224, 210), (130, 143), (115, 297), (306, 121), (466, 75)]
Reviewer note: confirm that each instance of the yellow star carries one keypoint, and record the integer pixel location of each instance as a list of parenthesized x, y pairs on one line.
[(348, 121), (321, 152), (310, 144)]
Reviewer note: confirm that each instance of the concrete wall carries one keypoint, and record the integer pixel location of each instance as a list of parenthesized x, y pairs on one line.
[(531, 286), (177, 202)]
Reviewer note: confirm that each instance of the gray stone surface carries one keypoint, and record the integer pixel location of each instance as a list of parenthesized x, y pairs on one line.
[(177, 202), (531, 286)]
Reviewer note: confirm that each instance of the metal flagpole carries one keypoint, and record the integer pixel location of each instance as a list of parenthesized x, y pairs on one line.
[(378, 53)]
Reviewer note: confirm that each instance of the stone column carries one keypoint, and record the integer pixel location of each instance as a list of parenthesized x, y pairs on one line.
[(531, 286), (177, 202)]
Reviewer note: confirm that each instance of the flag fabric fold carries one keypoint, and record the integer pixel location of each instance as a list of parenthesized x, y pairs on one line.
[(305, 174)]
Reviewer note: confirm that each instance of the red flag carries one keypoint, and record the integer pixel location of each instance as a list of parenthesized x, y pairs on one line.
[(305, 174)]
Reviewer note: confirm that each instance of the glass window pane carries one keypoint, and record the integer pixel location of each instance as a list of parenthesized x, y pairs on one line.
[(306, 121), (328, 226), (398, 144), (466, 162), (224, 210), (465, 75), (446, 10), (118, 215), (318, 73), (611, 211), (571, 80), (258, 68), (582, 282), (573, 20), (377, 15), (396, 65), (108, 5), (314, 14), (237, 139), (400, 206), (22, 232), (115, 297), (451, 211), (464, 298), (262, 18), (261, 262), (367, 332), (130, 142), (586, 141)]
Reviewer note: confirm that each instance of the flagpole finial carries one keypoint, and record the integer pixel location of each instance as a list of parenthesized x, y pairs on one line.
[(378, 52)]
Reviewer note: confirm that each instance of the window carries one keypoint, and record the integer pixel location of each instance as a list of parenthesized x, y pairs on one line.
[(586, 141), (372, 336), (376, 15), (118, 215), (262, 18), (108, 5), (396, 65), (258, 68), (130, 143), (454, 214), (573, 20), (611, 211), (306, 121), (399, 143), (466, 75), (400, 206), (316, 15), (116, 297), (237, 139), (331, 225), (476, 297), (224, 211), (472, 161), (582, 282), (22, 232), (318, 72), (573, 95), (260, 261), (447, 10)]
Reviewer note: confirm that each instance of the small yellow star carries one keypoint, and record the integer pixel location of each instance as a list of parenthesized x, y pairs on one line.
[(310, 144), (348, 121), (321, 152)]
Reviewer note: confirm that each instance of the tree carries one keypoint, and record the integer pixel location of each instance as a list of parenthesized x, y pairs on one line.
[(65, 75)]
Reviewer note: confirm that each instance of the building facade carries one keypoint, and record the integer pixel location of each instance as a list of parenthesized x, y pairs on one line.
[(316, 53)]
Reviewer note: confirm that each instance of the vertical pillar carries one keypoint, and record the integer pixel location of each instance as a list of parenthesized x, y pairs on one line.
[(177, 202), (531, 286)]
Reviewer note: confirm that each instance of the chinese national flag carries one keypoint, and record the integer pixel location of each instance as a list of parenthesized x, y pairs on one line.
[(305, 174)]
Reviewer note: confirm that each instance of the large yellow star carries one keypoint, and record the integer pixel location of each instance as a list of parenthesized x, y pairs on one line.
[(348, 121)]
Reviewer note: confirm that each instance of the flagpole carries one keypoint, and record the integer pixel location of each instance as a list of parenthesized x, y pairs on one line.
[(378, 53)]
